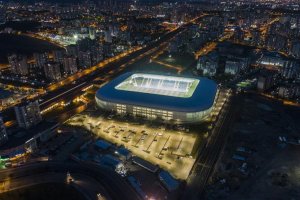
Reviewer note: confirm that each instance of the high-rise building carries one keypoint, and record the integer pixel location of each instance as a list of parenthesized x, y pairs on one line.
[(238, 35), (276, 42), (58, 55), (18, 64), (72, 50), (290, 69), (28, 114), (289, 91), (85, 58), (70, 64), (108, 50), (2, 16), (92, 33), (3, 133), (265, 81), (97, 54), (85, 44), (40, 59), (108, 36), (232, 67), (295, 49), (243, 60), (52, 71), (256, 38), (208, 64)]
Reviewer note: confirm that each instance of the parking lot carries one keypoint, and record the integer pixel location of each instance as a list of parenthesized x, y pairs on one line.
[(169, 149)]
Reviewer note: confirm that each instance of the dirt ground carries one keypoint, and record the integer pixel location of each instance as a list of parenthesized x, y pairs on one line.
[(278, 180), (266, 168)]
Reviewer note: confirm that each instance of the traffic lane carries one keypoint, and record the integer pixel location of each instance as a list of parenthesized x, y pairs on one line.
[(116, 187), (84, 184), (207, 158), (9, 113), (53, 97)]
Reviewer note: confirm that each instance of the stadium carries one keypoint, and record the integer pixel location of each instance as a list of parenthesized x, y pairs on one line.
[(168, 98)]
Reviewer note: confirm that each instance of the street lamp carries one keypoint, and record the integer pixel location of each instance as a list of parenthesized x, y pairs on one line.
[(69, 178), (99, 196)]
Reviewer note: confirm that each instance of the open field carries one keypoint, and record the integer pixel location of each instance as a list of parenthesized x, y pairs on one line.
[(255, 164)]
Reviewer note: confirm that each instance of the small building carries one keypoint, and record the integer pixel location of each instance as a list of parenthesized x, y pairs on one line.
[(102, 145), (145, 164), (123, 153), (168, 181), (134, 183), (238, 157), (113, 163)]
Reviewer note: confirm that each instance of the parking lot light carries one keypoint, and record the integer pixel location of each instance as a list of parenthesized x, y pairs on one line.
[(99, 196), (69, 178)]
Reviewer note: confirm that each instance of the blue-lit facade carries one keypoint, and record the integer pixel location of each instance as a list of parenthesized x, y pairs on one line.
[(156, 106)]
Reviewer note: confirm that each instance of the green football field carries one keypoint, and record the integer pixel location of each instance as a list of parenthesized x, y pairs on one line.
[(128, 85)]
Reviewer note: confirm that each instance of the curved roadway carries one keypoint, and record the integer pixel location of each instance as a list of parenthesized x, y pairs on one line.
[(89, 179)]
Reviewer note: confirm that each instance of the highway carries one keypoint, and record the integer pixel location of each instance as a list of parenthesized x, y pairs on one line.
[(209, 155), (89, 179)]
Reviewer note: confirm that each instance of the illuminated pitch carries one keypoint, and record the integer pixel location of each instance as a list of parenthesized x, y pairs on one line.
[(160, 85)]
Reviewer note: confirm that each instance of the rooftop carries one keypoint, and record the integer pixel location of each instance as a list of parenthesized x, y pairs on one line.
[(189, 95)]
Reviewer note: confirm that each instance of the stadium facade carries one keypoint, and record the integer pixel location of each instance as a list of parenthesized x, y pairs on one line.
[(169, 98)]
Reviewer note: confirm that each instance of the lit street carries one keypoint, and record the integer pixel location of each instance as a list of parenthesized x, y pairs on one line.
[(149, 100)]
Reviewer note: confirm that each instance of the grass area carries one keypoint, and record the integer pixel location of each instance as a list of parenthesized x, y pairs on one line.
[(155, 88), (49, 191), (146, 67), (184, 60)]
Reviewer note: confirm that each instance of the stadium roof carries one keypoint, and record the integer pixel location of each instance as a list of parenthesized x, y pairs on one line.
[(199, 96)]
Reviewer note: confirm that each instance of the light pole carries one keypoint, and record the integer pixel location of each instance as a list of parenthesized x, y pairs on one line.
[(69, 178), (99, 196)]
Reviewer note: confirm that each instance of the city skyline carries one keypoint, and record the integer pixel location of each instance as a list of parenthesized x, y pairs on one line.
[(152, 100)]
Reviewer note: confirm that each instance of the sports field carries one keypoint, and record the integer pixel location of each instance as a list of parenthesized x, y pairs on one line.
[(161, 85)]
